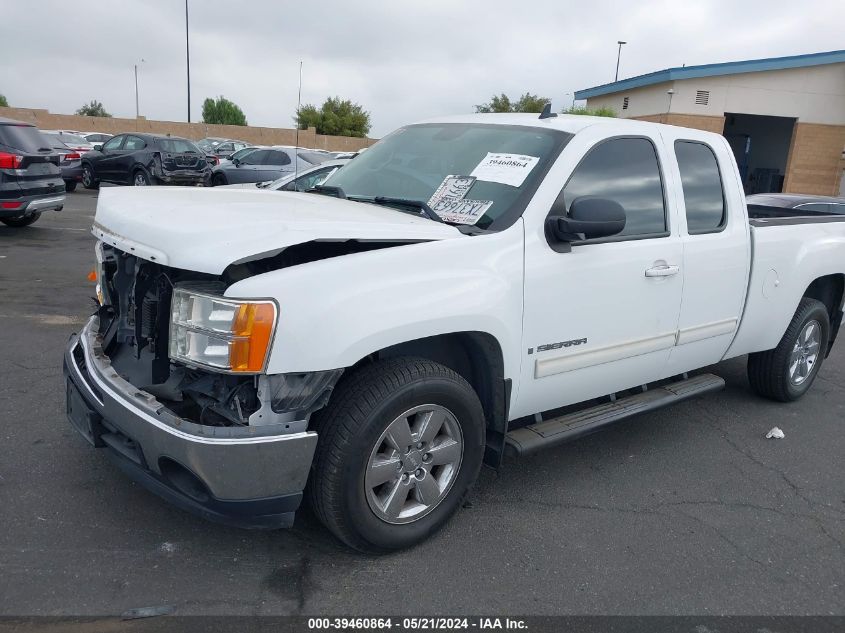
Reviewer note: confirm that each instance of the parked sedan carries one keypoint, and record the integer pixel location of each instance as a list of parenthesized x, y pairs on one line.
[(301, 181), (30, 178), (74, 141), (798, 201), (70, 161), (221, 147), (266, 164), (145, 159), (96, 138)]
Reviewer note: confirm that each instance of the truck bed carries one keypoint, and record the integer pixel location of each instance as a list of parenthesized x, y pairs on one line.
[(762, 216)]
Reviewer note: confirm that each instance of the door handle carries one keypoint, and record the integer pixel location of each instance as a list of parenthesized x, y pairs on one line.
[(662, 271)]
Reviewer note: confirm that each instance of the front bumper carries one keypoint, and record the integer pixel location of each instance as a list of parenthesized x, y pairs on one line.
[(234, 475)]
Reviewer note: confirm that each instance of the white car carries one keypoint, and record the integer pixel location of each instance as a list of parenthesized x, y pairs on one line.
[(302, 181), (431, 307)]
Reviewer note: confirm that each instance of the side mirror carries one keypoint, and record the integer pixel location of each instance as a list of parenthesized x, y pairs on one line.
[(236, 162), (590, 216), (98, 147)]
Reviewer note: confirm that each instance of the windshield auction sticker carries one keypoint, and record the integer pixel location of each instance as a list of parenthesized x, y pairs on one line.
[(508, 169)]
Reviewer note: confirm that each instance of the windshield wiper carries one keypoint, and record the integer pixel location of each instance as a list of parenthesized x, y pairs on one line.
[(326, 190), (407, 202)]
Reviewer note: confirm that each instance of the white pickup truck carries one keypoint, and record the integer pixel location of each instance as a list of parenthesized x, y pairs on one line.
[(470, 287)]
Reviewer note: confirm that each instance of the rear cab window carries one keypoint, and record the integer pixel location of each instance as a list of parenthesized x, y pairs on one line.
[(701, 181), (178, 146)]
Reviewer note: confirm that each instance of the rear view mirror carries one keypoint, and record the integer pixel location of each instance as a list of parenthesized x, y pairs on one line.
[(589, 216)]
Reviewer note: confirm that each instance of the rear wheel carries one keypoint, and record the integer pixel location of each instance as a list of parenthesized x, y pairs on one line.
[(218, 180), (786, 372), (70, 186), (21, 220), (400, 445), (141, 179), (88, 179)]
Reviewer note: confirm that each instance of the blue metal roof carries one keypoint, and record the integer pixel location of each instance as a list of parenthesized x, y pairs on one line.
[(713, 70)]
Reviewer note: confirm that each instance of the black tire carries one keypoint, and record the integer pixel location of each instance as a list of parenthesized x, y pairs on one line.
[(349, 430), (70, 186), (141, 178), (769, 372), (21, 221), (218, 180), (89, 180)]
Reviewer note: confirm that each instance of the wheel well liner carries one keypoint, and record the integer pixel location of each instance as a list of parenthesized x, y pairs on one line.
[(477, 357)]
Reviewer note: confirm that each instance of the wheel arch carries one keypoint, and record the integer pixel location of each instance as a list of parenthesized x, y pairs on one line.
[(478, 358), (829, 289)]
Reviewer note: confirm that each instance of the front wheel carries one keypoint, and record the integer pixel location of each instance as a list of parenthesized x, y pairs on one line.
[(400, 445), (218, 180), (786, 372), (21, 221)]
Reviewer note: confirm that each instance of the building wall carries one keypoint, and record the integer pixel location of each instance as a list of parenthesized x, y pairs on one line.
[(815, 159), (714, 124), (195, 131), (813, 95)]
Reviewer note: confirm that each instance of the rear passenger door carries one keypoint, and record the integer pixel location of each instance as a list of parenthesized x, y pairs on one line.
[(715, 236), (277, 163)]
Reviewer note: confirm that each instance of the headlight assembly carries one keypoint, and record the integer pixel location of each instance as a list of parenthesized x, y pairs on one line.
[(230, 335)]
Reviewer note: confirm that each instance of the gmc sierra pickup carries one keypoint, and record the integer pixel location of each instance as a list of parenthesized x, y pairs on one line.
[(470, 287)]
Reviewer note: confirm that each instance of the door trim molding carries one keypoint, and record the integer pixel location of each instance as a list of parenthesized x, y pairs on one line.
[(705, 331), (568, 362)]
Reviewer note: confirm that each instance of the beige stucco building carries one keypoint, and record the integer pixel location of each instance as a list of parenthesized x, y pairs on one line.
[(784, 116)]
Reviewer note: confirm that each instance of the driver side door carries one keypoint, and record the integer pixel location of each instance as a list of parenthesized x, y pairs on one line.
[(603, 317), (105, 168)]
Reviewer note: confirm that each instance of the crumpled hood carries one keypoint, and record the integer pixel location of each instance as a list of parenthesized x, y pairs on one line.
[(207, 229)]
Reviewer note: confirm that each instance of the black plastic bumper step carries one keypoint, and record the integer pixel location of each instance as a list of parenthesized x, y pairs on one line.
[(568, 427)]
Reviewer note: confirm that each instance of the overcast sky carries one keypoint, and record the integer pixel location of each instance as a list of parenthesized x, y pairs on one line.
[(402, 60)]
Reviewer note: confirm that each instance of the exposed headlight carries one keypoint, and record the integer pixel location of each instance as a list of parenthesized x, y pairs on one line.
[(229, 335)]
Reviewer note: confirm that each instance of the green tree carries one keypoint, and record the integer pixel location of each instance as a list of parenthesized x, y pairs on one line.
[(95, 108), (222, 111), (3, 102), (337, 117), (503, 103), (603, 111)]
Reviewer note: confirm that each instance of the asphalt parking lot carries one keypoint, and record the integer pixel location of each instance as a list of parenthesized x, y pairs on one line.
[(687, 510)]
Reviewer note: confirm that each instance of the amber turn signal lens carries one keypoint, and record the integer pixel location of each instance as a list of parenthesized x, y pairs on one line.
[(252, 329), (92, 276)]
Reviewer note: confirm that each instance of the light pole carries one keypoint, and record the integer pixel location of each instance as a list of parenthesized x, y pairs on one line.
[(618, 55), (188, 60), (137, 109), (571, 94)]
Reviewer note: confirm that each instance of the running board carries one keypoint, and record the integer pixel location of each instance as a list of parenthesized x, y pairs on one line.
[(565, 428)]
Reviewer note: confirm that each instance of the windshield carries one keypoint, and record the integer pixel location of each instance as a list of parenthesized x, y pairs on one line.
[(178, 145), (481, 174)]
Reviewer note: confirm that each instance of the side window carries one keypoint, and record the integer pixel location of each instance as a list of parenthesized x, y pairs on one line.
[(277, 159), (702, 185), (113, 143), (254, 158), (134, 143), (624, 170), (225, 148)]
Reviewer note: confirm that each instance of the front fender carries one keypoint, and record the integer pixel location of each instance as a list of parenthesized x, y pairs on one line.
[(334, 312)]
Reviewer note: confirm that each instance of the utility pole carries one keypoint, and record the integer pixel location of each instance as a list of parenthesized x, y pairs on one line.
[(618, 55), (188, 60), (137, 109)]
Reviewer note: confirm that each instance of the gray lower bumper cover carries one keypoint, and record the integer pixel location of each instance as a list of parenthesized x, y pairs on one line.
[(236, 465)]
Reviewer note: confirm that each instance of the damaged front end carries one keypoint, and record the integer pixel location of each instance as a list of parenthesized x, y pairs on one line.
[(153, 345)]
